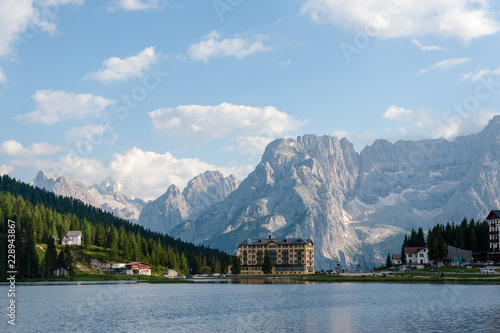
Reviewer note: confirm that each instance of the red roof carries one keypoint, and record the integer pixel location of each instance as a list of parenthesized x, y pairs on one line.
[(396, 256), (413, 249)]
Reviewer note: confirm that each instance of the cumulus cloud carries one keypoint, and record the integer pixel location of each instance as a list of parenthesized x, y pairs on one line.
[(134, 5), (53, 106), (5, 169), (86, 138), (14, 148), (417, 43), (213, 45), (476, 76), (249, 145), (199, 124), (445, 64), (463, 19), (17, 15), (117, 69)]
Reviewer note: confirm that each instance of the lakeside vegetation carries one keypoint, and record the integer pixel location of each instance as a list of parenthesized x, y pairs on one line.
[(41, 217)]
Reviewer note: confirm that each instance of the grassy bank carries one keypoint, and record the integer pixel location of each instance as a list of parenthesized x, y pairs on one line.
[(413, 277)]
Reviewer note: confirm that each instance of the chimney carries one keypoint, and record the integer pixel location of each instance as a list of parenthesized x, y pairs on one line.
[(269, 236)]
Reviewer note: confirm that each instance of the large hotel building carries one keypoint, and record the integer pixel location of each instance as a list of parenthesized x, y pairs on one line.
[(288, 255)]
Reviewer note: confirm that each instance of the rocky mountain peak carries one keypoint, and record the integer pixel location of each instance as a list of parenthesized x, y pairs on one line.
[(110, 195)]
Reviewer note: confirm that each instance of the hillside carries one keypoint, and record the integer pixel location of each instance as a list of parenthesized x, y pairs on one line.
[(40, 214)]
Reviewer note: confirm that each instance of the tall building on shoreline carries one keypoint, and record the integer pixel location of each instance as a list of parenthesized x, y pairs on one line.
[(288, 255)]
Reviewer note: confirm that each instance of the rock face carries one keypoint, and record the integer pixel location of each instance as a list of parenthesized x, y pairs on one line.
[(174, 207), (354, 206), (110, 195)]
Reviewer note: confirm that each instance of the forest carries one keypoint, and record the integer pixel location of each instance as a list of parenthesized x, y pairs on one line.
[(40, 219), (467, 235)]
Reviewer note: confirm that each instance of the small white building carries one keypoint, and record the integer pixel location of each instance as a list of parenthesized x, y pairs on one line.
[(72, 238), (416, 255), (396, 259)]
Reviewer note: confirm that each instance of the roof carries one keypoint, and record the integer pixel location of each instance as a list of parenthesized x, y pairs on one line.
[(396, 256), (493, 215), (73, 233), (138, 263), (280, 241), (413, 249), (66, 239)]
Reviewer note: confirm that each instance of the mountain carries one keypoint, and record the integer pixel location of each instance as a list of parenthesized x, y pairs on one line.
[(355, 206), (173, 207), (110, 195)]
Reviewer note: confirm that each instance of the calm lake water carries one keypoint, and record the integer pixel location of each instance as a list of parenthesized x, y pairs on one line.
[(235, 307)]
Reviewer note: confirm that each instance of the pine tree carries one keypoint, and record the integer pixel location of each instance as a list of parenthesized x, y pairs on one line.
[(388, 262), (267, 267), (68, 259), (236, 265), (50, 257)]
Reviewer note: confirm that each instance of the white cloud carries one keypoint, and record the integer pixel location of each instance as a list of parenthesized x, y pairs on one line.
[(396, 113), (89, 136), (417, 43), (149, 174), (286, 62), (212, 45), (476, 76), (57, 105), (14, 148), (116, 69), (134, 5), (17, 15), (60, 2), (249, 145), (200, 124), (445, 64), (3, 77), (426, 123), (423, 124), (5, 169), (463, 19)]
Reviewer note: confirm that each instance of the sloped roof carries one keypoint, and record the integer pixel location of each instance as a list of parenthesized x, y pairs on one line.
[(279, 241), (493, 215), (73, 233), (396, 256), (413, 249)]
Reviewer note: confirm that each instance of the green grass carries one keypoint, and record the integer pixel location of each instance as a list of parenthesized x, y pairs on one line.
[(410, 277)]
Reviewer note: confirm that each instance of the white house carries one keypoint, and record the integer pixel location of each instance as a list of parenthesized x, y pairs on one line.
[(416, 255), (72, 238), (396, 259)]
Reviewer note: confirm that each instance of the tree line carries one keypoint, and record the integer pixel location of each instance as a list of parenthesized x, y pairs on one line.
[(467, 235), (41, 216)]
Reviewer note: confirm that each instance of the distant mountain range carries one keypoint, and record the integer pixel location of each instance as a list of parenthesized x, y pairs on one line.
[(110, 195), (354, 206)]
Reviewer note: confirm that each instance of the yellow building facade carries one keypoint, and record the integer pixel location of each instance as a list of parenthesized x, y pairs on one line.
[(288, 255)]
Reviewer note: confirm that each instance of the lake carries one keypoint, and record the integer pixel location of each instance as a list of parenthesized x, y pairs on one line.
[(242, 307)]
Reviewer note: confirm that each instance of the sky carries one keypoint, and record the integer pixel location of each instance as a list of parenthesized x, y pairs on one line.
[(153, 92)]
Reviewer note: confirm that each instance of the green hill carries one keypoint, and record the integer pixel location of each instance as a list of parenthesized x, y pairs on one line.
[(40, 215)]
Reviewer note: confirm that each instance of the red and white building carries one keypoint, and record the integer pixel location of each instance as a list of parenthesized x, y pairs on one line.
[(396, 259), (137, 268)]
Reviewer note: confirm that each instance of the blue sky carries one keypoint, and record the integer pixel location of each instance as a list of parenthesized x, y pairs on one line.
[(155, 92)]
